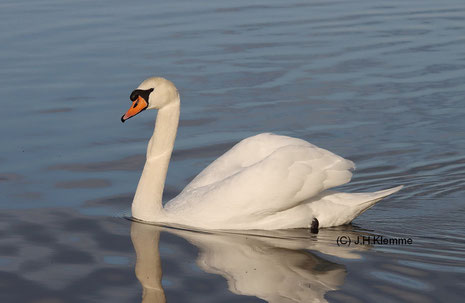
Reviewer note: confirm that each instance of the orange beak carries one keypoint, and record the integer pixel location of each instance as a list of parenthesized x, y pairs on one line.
[(137, 106)]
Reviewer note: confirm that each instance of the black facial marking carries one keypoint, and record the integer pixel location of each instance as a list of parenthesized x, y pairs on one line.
[(144, 93)]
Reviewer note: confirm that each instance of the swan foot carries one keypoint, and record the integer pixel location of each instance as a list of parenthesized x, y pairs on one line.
[(314, 226)]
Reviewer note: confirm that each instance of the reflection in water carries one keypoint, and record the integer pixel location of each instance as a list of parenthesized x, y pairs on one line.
[(145, 239), (275, 265)]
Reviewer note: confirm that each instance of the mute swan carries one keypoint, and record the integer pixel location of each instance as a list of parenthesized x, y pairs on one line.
[(263, 182)]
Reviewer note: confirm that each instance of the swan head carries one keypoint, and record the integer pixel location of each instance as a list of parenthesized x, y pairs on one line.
[(152, 93)]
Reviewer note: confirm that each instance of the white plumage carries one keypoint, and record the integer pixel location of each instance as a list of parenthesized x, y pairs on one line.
[(264, 182)]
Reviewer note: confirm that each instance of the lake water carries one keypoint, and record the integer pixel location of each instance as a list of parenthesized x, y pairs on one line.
[(380, 83)]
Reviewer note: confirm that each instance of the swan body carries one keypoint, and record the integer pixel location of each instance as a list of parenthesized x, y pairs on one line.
[(265, 181)]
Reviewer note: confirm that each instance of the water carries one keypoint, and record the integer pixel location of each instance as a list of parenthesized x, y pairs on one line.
[(379, 83)]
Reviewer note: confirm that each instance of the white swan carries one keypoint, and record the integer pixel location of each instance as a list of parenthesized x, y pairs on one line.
[(263, 182)]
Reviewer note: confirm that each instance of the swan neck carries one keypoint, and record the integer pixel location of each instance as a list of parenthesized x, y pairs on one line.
[(147, 204), (164, 134)]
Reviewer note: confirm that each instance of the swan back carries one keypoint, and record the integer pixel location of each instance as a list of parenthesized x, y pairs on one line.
[(258, 148)]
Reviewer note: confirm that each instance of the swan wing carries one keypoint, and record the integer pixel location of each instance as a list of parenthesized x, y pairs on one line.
[(259, 176), (242, 155)]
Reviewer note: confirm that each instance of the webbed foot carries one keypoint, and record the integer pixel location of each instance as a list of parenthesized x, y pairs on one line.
[(314, 226)]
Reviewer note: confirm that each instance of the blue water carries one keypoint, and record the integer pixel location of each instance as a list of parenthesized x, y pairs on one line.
[(380, 83)]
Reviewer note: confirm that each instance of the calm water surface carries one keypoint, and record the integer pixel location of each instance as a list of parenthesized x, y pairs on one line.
[(380, 83)]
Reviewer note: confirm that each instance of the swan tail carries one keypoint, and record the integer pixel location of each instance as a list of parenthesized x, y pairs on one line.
[(378, 195), (336, 208), (365, 199)]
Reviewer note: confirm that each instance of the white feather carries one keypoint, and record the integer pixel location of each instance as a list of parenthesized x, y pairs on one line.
[(263, 182)]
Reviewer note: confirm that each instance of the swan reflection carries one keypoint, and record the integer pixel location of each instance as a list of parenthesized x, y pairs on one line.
[(145, 239), (275, 266)]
